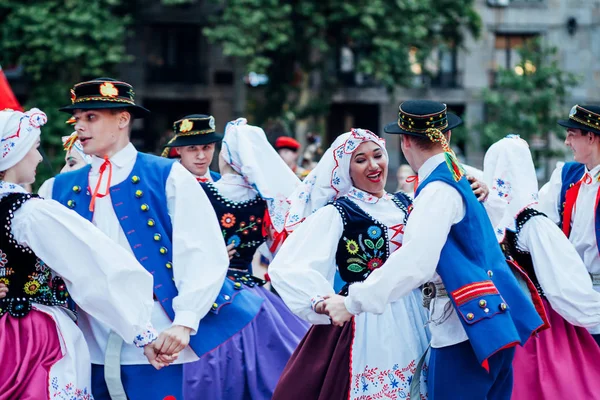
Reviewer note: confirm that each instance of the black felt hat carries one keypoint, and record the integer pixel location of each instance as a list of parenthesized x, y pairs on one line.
[(586, 118), (104, 93), (193, 130), (415, 117)]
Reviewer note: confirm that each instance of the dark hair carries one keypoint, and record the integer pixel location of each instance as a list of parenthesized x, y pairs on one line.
[(115, 111)]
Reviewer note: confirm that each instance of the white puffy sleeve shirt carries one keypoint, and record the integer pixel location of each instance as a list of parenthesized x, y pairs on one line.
[(200, 258), (103, 279), (305, 266), (560, 272)]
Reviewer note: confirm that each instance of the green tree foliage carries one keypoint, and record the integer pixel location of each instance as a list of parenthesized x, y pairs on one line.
[(528, 100), (59, 43), (290, 41)]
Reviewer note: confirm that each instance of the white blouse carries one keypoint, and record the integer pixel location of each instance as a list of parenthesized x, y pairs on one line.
[(103, 279), (305, 266), (200, 259), (560, 272)]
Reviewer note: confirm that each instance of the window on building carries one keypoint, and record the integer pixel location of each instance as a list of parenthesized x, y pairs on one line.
[(506, 49), (177, 54)]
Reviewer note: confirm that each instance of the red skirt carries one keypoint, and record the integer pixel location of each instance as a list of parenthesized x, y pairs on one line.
[(29, 347), (320, 367)]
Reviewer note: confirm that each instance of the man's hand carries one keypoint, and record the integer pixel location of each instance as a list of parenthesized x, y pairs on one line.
[(231, 250), (172, 340), (3, 290), (336, 309), (151, 354), (479, 188)]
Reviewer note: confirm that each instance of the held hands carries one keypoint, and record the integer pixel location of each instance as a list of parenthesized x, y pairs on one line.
[(334, 307), (479, 188), (166, 348), (231, 251)]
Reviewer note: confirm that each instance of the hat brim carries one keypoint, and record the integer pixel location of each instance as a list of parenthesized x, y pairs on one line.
[(135, 110), (569, 123), (393, 127), (196, 140)]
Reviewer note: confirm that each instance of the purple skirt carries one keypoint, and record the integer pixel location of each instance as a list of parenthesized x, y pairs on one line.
[(248, 365), (561, 363)]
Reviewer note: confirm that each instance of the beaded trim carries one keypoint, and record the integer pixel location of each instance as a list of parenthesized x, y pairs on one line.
[(95, 98), (234, 204)]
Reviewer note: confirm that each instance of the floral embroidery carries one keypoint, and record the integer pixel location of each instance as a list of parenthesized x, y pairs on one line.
[(352, 246), (69, 392), (374, 263), (228, 220), (5, 281), (32, 287), (3, 259), (146, 337), (374, 232), (502, 188), (393, 383), (235, 240)]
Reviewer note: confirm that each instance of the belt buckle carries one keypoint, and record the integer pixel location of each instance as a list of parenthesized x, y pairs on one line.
[(595, 279), (429, 290)]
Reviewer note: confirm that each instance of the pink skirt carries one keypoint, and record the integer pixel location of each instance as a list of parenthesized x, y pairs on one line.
[(29, 347), (561, 363)]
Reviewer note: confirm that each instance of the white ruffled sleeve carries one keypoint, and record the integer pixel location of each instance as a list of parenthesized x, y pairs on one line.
[(103, 279), (304, 268), (560, 272)]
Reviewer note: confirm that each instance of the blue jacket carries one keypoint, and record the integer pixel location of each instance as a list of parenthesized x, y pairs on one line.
[(140, 203), (494, 311)]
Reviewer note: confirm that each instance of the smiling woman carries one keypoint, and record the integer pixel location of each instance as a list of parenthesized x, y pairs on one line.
[(356, 225)]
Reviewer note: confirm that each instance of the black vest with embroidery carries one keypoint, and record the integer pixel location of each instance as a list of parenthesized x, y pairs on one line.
[(241, 224), (523, 258), (29, 280), (364, 245)]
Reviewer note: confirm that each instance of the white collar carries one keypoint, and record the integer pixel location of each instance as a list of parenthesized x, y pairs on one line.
[(8, 187), (429, 165), (122, 158), (365, 197)]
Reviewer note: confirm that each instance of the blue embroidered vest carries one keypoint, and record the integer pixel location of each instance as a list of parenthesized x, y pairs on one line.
[(28, 279), (572, 172), (364, 245), (140, 204), (241, 224), (493, 310)]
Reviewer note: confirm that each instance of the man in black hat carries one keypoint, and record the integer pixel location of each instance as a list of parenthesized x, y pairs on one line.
[(478, 311), (194, 143), (572, 195), (151, 206)]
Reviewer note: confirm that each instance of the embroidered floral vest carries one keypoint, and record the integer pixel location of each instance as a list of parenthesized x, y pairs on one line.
[(364, 245), (29, 280), (522, 258), (241, 224)]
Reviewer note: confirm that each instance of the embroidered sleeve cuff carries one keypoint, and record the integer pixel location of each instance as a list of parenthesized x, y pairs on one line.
[(352, 306), (146, 337), (189, 319), (315, 301)]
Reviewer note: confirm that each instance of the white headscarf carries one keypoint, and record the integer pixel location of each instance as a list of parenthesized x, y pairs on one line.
[(19, 131), (510, 174), (330, 179), (71, 143), (247, 150)]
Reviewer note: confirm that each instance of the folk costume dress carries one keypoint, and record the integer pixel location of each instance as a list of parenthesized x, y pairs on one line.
[(248, 366), (560, 362), (351, 234), (49, 255)]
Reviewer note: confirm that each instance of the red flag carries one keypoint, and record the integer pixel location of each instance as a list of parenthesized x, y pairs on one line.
[(7, 97)]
